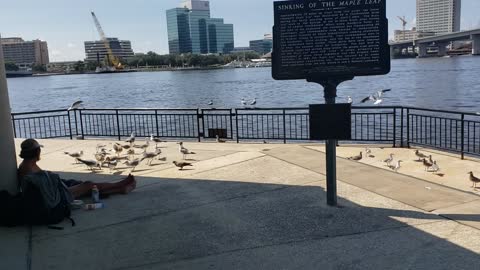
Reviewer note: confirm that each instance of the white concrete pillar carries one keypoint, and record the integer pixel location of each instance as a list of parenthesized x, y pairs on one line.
[(8, 160), (442, 49), (475, 44), (422, 50)]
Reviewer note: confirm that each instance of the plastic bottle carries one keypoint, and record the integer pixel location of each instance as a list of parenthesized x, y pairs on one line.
[(93, 206), (95, 194)]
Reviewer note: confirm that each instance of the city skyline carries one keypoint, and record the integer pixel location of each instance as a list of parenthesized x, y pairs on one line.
[(66, 25)]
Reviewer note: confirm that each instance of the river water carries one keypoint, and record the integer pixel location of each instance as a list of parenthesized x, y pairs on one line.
[(441, 83)]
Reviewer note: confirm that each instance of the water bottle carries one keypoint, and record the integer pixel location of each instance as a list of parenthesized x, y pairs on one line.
[(93, 206), (95, 194)]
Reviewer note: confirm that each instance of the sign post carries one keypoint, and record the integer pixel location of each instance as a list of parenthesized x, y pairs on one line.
[(329, 42)]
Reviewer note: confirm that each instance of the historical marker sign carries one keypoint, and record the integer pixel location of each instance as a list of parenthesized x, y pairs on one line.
[(330, 39)]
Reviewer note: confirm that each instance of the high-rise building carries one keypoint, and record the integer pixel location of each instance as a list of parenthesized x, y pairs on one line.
[(262, 46), (25, 53), (192, 30), (438, 16), (122, 49)]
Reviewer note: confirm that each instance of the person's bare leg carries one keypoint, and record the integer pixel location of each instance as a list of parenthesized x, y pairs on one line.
[(81, 190), (122, 187)]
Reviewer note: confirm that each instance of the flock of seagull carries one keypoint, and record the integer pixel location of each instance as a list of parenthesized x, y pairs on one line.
[(111, 158), (376, 98), (430, 165)]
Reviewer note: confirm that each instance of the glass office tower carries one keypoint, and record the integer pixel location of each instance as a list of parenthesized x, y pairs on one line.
[(191, 30)]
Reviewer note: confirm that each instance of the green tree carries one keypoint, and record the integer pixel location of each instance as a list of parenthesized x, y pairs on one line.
[(10, 66), (39, 68), (79, 66)]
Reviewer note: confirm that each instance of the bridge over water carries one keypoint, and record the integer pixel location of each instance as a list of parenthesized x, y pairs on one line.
[(442, 41)]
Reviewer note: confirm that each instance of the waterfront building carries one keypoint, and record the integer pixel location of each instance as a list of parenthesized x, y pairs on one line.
[(242, 50), (61, 67), (262, 46), (192, 30), (25, 53), (438, 16), (122, 49), (413, 34)]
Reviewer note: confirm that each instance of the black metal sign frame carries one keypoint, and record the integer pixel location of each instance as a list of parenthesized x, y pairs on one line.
[(330, 39)]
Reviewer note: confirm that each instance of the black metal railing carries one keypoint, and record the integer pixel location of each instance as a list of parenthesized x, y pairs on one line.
[(457, 132)]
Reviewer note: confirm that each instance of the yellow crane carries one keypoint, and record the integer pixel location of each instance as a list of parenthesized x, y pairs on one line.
[(404, 24), (111, 58)]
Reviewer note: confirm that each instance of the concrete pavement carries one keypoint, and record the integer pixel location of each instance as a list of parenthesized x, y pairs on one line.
[(255, 206)]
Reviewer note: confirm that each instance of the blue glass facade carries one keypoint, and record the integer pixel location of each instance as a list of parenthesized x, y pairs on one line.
[(191, 30)]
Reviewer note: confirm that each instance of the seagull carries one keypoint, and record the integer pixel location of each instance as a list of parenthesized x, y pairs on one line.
[(181, 164), (368, 152), (478, 113), (389, 160), (210, 103), (112, 164), (151, 155), (420, 155), (126, 146), (430, 159), (100, 147), (253, 102), (244, 102), (155, 140), (349, 100), (377, 97), (356, 158), (397, 166), (220, 140), (91, 164), (131, 139), (133, 164), (130, 153), (184, 151), (76, 105), (143, 146), (74, 154), (117, 148), (100, 157), (426, 164), (475, 180), (434, 168)]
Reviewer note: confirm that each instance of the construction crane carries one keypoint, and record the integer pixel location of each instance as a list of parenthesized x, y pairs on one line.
[(404, 24), (111, 58)]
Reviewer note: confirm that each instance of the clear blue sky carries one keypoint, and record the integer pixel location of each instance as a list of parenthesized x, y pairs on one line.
[(65, 24)]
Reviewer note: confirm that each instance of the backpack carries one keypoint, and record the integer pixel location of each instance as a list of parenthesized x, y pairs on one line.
[(36, 211), (11, 212)]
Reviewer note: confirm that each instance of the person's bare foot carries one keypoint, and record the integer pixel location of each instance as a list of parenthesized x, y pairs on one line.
[(130, 187)]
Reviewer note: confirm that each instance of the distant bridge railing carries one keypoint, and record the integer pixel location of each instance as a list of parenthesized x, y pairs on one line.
[(457, 132)]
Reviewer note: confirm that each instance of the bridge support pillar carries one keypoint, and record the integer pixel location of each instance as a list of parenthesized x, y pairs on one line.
[(8, 161), (442, 49), (476, 45), (422, 50)]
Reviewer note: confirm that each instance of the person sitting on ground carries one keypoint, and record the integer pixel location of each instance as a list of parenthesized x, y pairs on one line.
[(46, 181)]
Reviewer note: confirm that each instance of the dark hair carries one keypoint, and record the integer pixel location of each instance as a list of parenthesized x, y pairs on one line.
[(30, 149)]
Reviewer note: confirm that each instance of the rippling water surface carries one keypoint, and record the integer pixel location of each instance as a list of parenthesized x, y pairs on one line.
[(444, 83)]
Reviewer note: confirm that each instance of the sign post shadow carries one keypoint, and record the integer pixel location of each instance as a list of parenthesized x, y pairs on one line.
[(329, 42)]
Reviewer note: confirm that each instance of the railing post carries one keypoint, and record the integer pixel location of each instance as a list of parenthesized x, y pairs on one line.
[(118, 125), (198, 125), (463, 136), (81, 124), (408, 128), (76, 121), (284, 128), (401, 128), (156, 123), (69, 125), (394, 127), (231, 123), (13, 125), (236, 123)]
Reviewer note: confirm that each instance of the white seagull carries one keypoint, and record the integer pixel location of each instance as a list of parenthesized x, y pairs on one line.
[(389, 160), (210, 103), (131, 139), (76, 105), (253, 102), (184, 151), (244, 102), (377, 97), (349, 100)]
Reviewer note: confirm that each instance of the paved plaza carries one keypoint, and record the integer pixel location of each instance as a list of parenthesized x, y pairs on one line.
[(261, 206)]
